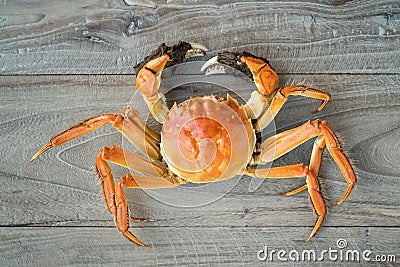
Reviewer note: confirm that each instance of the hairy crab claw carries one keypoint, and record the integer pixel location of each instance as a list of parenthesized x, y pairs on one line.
[(148, 73), (256, 68), (172, 54)]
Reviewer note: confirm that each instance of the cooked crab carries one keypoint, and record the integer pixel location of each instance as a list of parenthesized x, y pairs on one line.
[(209, 138)]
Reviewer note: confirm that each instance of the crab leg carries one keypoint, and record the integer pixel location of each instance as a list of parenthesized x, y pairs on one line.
[(107, 180), (316, 154), (294, 192), (76, 131), (312, 184), (266, 115), (132, 161), (122, 212), (144, 140), (116, 201), (315, 164), (114, 195), (149, 71), (281, 97), (122, 215), (276, 146), (142, 137), (140, 181), (126, 159), (132, 114)]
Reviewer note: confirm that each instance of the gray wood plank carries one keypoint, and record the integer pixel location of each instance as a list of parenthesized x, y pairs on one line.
[(299, 37), (52, 211), (60, 187), (190, 246)]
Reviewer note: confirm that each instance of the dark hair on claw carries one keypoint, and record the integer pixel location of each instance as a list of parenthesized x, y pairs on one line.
[(176, 53), (233, 60)]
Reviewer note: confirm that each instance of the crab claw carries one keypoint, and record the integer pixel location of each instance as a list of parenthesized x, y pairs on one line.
[(196, 50), (209, 67), (256, 68), (173, 54), (183, 50), (148, 73), (153, 64)]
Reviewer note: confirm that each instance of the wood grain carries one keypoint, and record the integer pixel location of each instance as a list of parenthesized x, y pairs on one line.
[(60, 188), (62, 62), (67, 170), (182, 246), (109, 37)]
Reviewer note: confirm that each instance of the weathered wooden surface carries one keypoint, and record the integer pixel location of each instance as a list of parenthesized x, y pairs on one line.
[(110, 37), (182, 246), (52, 210)]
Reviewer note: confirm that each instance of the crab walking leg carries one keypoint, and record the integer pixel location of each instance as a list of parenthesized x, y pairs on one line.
[(151, 182), (315, 164), (312, 184), (114, 195), (316, 154), (107, 181), (276, 146), (294, 192), (132, 115), (130, 126), (114, 155), (281, 97), (123, 158), (333, 147), (132, 161), (83, 128), (122, 215), (122, 212)]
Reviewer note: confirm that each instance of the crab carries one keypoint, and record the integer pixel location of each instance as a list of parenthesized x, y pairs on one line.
[(207, 139)]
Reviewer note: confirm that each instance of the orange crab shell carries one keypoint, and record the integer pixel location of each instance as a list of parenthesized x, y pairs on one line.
[(207, 139)]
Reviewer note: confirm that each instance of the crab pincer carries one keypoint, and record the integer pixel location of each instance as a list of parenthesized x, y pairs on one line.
[(148, 73)]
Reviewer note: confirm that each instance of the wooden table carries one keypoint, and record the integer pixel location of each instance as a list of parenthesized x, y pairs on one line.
[(64, 61)]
